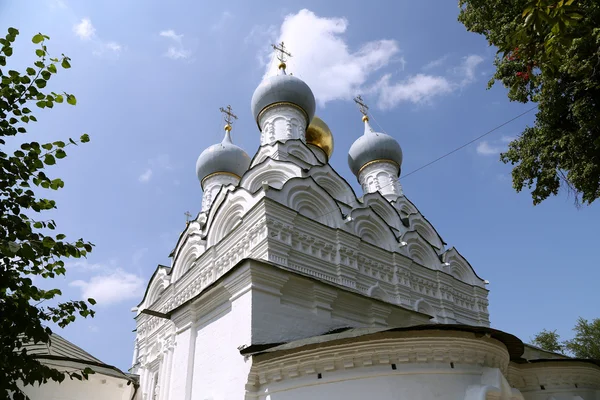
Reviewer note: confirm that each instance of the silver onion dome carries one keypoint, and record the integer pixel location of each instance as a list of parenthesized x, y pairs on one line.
[(224, 157), (373, 146), (283, 88)]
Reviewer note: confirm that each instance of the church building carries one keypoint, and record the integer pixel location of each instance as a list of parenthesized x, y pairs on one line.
[(289, 285)]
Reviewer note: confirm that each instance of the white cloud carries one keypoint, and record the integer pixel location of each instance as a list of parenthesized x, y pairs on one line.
[(221, 21), (145, 176), (435, 63), (170, 33), (486, 148), (175, 51), (111, 287), (324, 60), (84, 29), (322, 57), (416, 89), (466, 70)]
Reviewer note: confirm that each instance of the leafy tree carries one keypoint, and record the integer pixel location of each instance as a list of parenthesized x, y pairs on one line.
[(548, 340), (586, 343), (548, 53), (29, 245)]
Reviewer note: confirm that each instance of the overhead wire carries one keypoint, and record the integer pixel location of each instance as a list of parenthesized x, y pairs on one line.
[(446, 154)]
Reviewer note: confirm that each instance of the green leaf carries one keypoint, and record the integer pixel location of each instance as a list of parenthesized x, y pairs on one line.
[(37, 38), (52, 68), (60, 153), (46, 75), (13, 31), (49, 159), (47, 146), (39, 52), (84, 138), (41, 83), (65, 64), (48, 242), (58, 98), (91, 301), (71, 99)]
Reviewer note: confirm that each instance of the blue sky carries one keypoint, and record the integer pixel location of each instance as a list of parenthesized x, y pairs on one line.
[(150, 77)]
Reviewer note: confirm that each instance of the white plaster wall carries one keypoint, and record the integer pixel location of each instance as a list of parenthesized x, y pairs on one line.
[(282, 122), (562, 394), (98, 387), (382, 177), (220, 371), (411, 382), (212, 185)]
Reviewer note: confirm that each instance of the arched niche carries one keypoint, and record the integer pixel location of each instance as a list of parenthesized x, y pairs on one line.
[(385, 210), (424, 307), (460, 268), (371, 228), (420, 251), (309, 199), (334, 184), (187, 257), (276, 173), (228, 215), (421, 225), (405, 207), (157, 286)]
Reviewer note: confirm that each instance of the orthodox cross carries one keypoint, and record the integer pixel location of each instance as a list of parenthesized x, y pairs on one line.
[(364, 109), (282, 53), (188, 217), (228, 115)]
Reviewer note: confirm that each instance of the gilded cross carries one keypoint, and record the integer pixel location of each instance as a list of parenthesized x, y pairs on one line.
[(188, 216), (228, 115), (282, 53), (361, 105)]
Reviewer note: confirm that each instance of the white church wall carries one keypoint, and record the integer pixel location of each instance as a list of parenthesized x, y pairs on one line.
[(97, 387), (390, 365)]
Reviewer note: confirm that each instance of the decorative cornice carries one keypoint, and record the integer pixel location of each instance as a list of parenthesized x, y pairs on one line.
[(382, 160), (388, 348), (279, 104), (219, 173)]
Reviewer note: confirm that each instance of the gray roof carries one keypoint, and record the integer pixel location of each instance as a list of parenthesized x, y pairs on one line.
[(373, 146), (283, 88), (60, 347), (222, 157), (60, 351), (513, 344)]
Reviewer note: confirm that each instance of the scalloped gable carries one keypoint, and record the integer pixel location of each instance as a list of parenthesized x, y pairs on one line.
[(274, 172), (462, 268), (293, 150)]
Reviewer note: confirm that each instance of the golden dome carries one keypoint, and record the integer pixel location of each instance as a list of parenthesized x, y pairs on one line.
[(319, 134)]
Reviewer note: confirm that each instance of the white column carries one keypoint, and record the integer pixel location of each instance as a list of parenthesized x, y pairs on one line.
[(282, 122), (211, 186), (381, 176)]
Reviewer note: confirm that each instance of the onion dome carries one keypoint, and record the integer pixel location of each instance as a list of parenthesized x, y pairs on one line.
[(318, 134), (283, 89), (373, 147), (224, 158)]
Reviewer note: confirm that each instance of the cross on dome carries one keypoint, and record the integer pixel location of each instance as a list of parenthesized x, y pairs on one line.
[(281, 53), (362, 107), (228, 116)]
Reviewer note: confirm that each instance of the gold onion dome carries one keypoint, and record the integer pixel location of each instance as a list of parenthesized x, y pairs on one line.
[(318, 134)]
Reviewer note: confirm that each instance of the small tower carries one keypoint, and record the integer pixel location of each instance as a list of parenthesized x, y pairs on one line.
[(376, 159), (282, 105), (221, 164)]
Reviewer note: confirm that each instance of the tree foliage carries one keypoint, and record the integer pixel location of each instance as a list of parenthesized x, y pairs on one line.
[(585, 344), (548, 340), (548, 53), (29, 245)]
